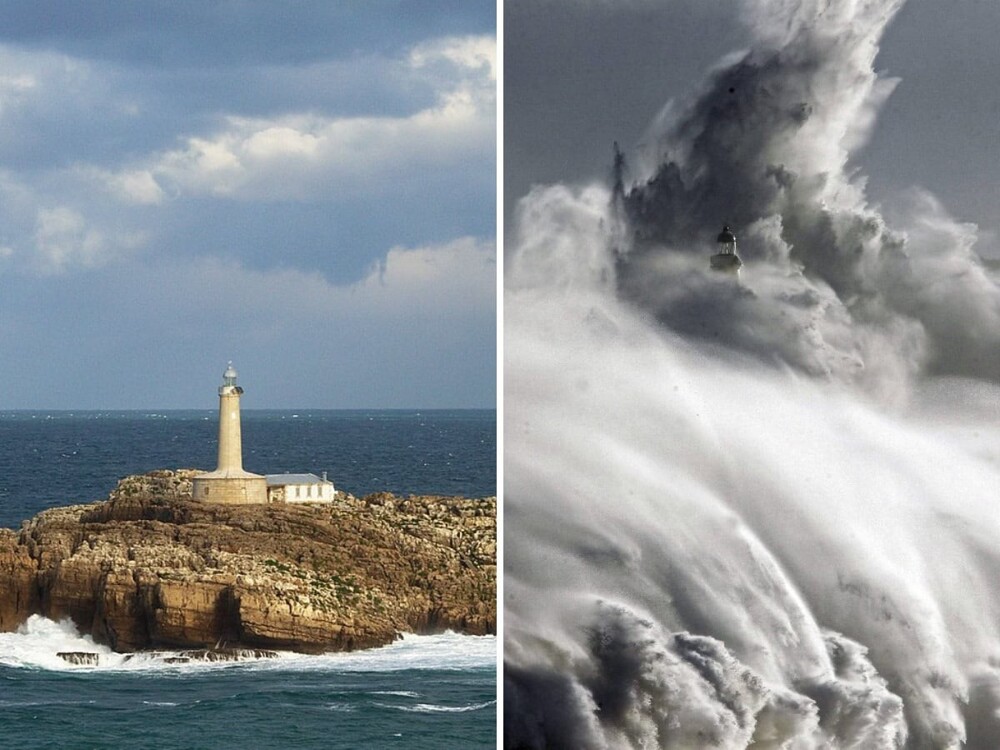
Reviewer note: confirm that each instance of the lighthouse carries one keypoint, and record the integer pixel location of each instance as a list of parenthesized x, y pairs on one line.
[(726, 260), (230, 432), (229, 483)]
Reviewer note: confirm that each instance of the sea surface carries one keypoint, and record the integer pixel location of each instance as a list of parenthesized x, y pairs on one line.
[(434, 691)]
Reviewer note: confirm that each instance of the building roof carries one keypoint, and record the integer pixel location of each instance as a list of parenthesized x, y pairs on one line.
[(726, 235), (278, 480)]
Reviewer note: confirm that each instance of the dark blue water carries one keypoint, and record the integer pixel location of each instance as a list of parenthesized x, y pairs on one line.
[(424, 692), (77, 457)]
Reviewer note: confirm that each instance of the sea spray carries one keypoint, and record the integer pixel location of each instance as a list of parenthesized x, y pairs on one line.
[(38, 643), (752, 514), (685, 490), (765, 145)]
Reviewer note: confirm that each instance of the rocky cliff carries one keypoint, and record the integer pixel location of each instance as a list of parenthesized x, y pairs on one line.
[(150, 568)]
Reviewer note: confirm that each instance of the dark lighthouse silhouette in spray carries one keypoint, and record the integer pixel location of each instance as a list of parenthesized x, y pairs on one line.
[(726, 260)]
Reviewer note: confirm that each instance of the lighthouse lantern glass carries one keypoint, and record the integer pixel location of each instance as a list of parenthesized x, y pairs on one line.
[(727, 241)]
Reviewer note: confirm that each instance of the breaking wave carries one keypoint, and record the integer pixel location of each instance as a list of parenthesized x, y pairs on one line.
[(38, 643), (758, 514)]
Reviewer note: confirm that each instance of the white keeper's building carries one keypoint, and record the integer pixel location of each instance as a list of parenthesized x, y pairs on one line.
[(299, 488)]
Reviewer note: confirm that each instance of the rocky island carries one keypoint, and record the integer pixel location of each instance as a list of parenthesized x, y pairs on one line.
[(150, 568)]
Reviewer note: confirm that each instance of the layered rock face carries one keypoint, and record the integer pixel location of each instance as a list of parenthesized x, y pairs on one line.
[(150, 568)]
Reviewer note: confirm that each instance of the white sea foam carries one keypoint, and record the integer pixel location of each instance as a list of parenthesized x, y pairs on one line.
[(451, 651), (432, 708), (699, 547), (37, 643)]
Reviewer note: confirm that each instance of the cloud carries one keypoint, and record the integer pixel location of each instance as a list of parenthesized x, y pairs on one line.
[(300, 156), (64, 239), (139, 187), (45, 93), (415, 331), (15, 84), (472, 53), (448, 279), (49, 230), (183, 32), (429, 153), (464, 271), (168, 190)]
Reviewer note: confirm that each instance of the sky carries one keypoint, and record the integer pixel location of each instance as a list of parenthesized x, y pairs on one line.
[(306, 189), (580, 75)]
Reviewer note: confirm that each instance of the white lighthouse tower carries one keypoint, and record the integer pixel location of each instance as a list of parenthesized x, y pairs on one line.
[(229, 483), (726, 260)]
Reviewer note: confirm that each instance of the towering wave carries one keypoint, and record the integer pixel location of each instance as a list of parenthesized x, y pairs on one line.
[(761, 514)]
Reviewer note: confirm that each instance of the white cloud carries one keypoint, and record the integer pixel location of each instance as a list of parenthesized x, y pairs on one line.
[(449, 278), (17, 83), (281, 141), (63, 239), (139, 187), (41, 82), (416, 330), (302, 155), (461, 273), (471, 52), (56, 221)]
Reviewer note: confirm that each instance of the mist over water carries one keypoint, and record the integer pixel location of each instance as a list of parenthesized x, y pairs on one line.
[(761, 514)]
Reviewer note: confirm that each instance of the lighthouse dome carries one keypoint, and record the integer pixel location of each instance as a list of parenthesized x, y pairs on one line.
[(726, 235), (229, 376)]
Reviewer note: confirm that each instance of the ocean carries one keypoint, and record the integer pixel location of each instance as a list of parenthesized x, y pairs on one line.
[(434, 691)]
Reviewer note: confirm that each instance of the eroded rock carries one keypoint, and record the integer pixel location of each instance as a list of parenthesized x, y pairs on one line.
[(150, 568), (83, 658)]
